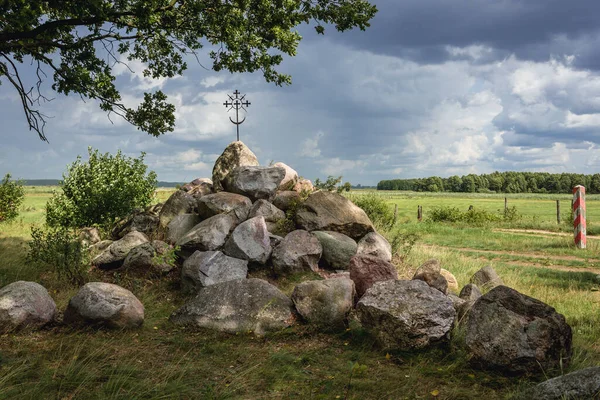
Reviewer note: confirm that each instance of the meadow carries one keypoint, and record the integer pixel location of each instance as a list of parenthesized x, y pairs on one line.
[(534, 255)]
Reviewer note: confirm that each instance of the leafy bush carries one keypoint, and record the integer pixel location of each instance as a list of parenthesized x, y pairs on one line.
[(59, 249), (330, 184), (377, 209), (12, 195), (473, 216), (101, 190), (402, 243)]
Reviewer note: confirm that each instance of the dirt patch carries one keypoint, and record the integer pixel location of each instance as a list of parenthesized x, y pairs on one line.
[(543, 259), (542, 233)]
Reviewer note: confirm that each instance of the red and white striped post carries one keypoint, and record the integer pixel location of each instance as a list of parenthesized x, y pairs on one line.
[(579, 216)]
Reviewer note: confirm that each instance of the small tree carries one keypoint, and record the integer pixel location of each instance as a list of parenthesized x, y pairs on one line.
[(330, 184), (101, 190), (347, 186), (12, 195)]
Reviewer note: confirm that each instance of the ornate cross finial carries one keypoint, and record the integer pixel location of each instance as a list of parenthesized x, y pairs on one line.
[(237, 103)]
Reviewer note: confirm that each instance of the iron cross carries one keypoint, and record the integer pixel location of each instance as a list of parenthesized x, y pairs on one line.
[(237, 103)]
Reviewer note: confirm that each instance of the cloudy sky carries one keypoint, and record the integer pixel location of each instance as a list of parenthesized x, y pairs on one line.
[(435, 87)]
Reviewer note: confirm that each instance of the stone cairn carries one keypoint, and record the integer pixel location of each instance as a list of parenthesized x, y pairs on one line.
[(266, 218)]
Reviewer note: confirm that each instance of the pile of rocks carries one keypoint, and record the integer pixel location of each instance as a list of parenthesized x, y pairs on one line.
[(251, 218)]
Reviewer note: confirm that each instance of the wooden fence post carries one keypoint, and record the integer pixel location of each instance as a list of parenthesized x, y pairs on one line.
[(395, 212), (419, 213), (505, 205), (558, 211), (579, 225)]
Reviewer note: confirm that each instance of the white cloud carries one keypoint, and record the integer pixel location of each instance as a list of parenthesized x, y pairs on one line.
[(310, 146)]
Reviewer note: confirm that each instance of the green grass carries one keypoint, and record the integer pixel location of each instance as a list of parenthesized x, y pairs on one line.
[(162, 361)]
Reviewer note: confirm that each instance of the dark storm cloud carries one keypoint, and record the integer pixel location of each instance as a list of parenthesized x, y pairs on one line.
[(532, 29)]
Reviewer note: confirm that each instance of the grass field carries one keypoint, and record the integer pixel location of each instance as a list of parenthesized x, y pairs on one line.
[(161, 361)]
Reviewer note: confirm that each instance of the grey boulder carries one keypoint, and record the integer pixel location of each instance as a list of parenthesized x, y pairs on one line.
[(207, 268), (338, 249), (180, 202), (180, 225), (373, 244), (299, 251), (324, 303), (146, 257), (365, 271), (435, 280), (105, 304), (237, 306), (199, 187), (115, 254), (271, 214), (516, 334), (224, 202), (326, 211), (486, 278), (145, 222), (582, 384), (25, 305), (209, 234), (406, 315), (235, 154), (250, 241), (254, 181), (290, 178), (286, 200), (431, 266)]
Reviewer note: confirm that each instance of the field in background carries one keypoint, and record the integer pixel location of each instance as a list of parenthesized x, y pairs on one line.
[(164, 361)]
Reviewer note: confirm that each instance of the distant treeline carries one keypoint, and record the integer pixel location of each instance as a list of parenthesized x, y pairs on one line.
[(499, 182), (55, 182)]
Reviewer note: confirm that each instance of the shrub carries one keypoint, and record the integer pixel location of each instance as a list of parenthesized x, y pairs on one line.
[(59, 249), (330, 184), (445, 214), (101, 190), (377, 209), (12, 195)]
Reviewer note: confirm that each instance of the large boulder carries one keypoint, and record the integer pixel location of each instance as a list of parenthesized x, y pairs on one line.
[(324, 303), (236, 154), (582, 384), (470, 293), (290, 178), (115, 254), (199, 187), (286, 200), (373, 244), (435, 280), (338, 249), (303, 185), (180, 225), (450, 279), (146, 258), (406, 315), (250, 241), (238, 306), (486, 278), (299, 251), (516, 334), (272, 214), (326, 211), (89, 236), (205, 268), (179, 202), (365, 271), (25, 305), (105, 304), (254, 181), (431, 266), (223, 202), (209, 234), (145, 222)]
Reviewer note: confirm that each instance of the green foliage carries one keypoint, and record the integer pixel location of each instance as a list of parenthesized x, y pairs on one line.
[(12, 195), (402, 243), (379, 212), (101, 190), (169, 257), (473, 216), (330, 184), (59, 249), (504, 182), (81, 41)]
